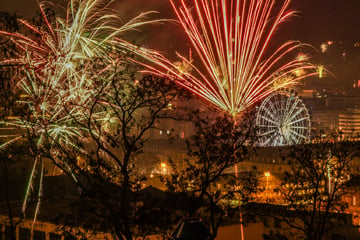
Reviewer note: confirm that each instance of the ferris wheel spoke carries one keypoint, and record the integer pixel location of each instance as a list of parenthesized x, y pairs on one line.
[(267, 141), (300, 111), (279, 140), (293, 139), (298, 134), (271, 121), (281, 107), (271, 139), (277, 103), (271, 115), (268, 107), (299, 127), (299, 120), (288, 103), (268, 132), (286, 138), (267, 126), (293, 103), (273, 109), (290, 114)]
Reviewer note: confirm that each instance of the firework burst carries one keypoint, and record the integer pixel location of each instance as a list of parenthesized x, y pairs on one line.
[(231, 39), (63, 58), (63, 63)]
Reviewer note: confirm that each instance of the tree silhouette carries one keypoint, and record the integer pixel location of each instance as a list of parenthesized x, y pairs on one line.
[(315, 187), (217, 145)]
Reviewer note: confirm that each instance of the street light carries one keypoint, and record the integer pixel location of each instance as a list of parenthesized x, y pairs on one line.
[(163, 167), (267, 175)]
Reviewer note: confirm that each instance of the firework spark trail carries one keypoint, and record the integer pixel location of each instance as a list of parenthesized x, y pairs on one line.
[(86, 32), (59, 63), (58, 74), (231, 39)]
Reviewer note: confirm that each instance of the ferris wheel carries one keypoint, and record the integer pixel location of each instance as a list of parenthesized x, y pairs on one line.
[(282, 119)]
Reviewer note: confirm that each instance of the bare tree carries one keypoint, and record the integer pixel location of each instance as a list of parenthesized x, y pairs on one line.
[(218, 144), (5, 162), (114, 126), (8, 155), (313, 190)]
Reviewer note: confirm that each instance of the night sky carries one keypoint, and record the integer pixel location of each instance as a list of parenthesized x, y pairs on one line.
[(317, 21)]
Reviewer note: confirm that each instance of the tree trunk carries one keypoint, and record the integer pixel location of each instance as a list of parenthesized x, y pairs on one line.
[(6, 186)]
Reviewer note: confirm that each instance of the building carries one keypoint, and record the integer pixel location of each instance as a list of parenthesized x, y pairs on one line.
[(349, 124)]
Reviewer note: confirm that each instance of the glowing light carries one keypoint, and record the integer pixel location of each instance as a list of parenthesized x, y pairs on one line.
[(324, 47), (302, 57), (183, 67), (12, 118), (163, 168), (299, 72), (232, 68), (320, 71), (282, 82)]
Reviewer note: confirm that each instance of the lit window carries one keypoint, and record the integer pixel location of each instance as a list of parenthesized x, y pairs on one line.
[(354, 200)]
